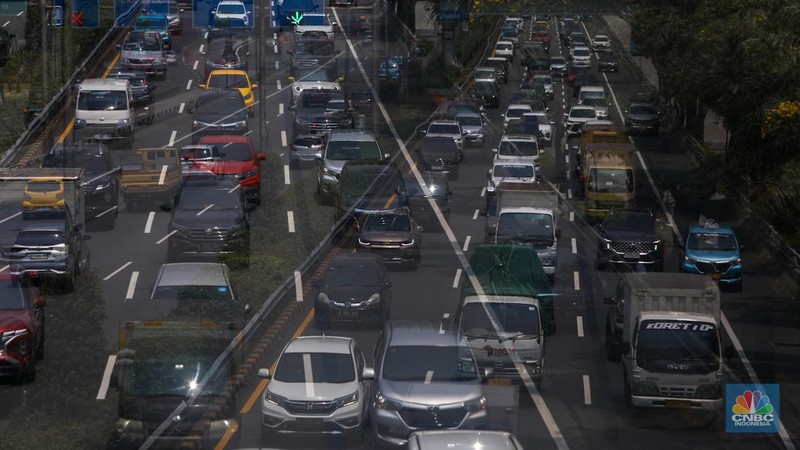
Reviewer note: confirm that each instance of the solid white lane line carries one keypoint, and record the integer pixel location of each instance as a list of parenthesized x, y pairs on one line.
[(587, 391), (276, 48), (475, 214), (205, 209), (574, 246), (298, 286), (11, 217), (579, 320), (457, 278), (181, 108), (194, 66), (108, 277), (284, 142), (101, 393), (286, 174), (172, 138), (466, 243), (163, 175), (132, 285), (166, 237), (290, 218), (428, 377), (577, 279), (188, 85), (148, 226)]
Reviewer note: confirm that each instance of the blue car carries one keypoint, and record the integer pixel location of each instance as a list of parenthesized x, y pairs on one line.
[(154, 22), (712, 249), (389, 69)]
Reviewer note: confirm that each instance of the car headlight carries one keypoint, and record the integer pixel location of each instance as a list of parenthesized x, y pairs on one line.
[(407, 243), (248, 96), (387, 404), (160, 61), (61, 248), (245, 175), (218, 428), (275, 399), (323, 298), (80, 123), (478, 404), (123, 123), (196, 124), (708, 391), (656, 244), (300, 121), (363, 242), (644, 388), (347, 400), (240, 124), (534, 367), (131, 429), (374, 298), (298, 88)]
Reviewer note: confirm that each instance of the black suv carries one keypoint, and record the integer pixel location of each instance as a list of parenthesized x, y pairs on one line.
[(629, 237), (100, 180), (49, 250), (210, 220), (143, 92), (219, 112), (642, 117)]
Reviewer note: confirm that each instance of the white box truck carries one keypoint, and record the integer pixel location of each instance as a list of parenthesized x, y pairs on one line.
[(104, 111), (527, 215), (665, 326)]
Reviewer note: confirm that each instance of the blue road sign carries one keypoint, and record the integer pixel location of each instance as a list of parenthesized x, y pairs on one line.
[(12, 7), (205, 15), (84, 14), (125, 11)]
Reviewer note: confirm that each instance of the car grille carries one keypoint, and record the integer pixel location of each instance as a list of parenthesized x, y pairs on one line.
[(208, 235), (677, 391), (140, 61), (640, 122), (712, 267), (319, 408), (325, 125), (433, 417), (632, 247)]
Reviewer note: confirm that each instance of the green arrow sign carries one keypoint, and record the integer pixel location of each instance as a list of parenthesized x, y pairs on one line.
[(296, 17)]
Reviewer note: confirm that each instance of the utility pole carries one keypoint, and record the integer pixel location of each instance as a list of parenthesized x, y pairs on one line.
[(45, 67)]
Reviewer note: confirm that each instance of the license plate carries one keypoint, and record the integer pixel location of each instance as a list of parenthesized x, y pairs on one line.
[(437, 167), (678, 404), (715, 276), (38, 256), (348, 313), (307, 422), (631, 256), (210, 247), (499, 382)]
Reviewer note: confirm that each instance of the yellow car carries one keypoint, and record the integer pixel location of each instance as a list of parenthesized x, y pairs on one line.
[(231, 78), (43, 194)]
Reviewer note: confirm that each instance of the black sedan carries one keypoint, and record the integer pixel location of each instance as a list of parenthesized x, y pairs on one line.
[(355, 288), (608, 62)]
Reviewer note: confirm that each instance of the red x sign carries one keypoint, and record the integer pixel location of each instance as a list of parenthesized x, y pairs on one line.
[(77, 18)]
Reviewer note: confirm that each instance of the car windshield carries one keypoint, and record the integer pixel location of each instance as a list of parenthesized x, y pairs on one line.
[(316, 367), (582, 52), (314, 75), (387, 222), (644, 110), (595, 101), (102, 100), (582, 113), (429, 364), (33, 238), (314, 47), (610, 181), (711, 241), (505, 46), (508, 171), (317, 99), (147, 45), (231, 8), (12, 296), (438, 190), (444, 129), (308, 142), (473, 121), (228, 81), (351, 275), (518, 148), (152, 22), (516, 112), (209, 199), (630, 221), (354, 150), (492, 318), (531, 225), (193, 292), (221, 106), (673, 340), (44, 186)]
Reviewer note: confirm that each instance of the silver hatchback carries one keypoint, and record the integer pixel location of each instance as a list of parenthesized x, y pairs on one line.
[(426, 379)]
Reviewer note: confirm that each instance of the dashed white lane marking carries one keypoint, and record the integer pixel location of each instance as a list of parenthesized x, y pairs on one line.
[(181, 108), (579, 320), (569, 193), (202, 46), (280, 109), (148, 226), (466, 243), (587, 391), (6, 24), (205, 209), (577, 280), (475, 214), (194, 66), (457, 278), (132, 285), (108, 277), (286, 174), (188, 85), (290, 218), (572, 216), (483, 192), (106, 381), (172, 138), (298, 286), (574, 246), (284, 142), (163, 175), (278, 83)]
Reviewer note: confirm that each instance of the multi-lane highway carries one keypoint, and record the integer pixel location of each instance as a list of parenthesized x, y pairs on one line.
[(579, 404)]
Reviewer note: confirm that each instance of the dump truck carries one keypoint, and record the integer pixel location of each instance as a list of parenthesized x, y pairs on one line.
[(506, 320), (598, 132), (150, 175), (665, 328), (608, 176), (172, 382), (527, 215)]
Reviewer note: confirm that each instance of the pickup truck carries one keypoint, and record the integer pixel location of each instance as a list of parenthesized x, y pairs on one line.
[(315, 22), (150, 174)]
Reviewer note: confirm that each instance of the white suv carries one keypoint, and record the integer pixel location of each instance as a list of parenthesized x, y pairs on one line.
[(231, 11), (320, 387)]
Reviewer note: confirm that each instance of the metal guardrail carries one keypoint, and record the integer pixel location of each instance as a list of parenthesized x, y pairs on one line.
[(55, 105)]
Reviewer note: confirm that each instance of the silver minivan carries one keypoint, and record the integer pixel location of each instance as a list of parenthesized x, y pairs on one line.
[(425, 379)]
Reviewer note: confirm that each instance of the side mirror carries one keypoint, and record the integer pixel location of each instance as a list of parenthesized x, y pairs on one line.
[(487, 373), (247, 310), (166, 207), (318, 156), (611, 301), (423, 132), (502, 115), (38, 300), (419, 228), (260, 157), (264, 373), (368, 373), (494, 150), (255, 86), (290, 79), (387, 156), (119, 46), (201, 86)]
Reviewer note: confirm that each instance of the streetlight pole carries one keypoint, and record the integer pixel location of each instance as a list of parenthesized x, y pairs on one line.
[(45, 67)]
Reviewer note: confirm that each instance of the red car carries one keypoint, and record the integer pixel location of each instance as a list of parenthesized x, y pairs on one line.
[(239, 158), (21, 327)]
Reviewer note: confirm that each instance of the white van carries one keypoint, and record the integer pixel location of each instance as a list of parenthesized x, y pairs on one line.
[(594, 96), (104, 110)]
